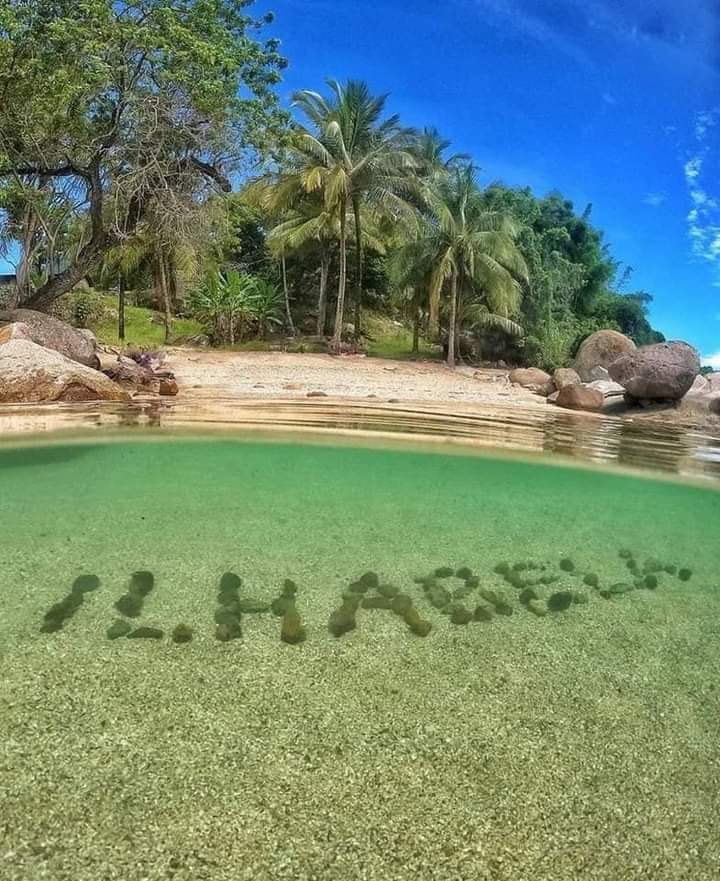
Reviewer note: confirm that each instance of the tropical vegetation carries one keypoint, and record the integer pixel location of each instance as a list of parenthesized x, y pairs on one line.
[(144, 150)]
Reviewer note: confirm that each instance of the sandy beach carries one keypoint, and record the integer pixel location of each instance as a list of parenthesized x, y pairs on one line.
[(273, 374)]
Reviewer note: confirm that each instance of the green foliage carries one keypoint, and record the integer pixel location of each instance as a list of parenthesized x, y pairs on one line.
[(82, 308), (229, 303), (267, 305), (131, 104), (144, 328)]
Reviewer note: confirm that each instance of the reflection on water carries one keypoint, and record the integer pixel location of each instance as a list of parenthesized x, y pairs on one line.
[(608, 439)]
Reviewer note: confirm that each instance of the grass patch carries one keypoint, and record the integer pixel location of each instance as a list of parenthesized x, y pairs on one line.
[(388, 339), (144, 328)]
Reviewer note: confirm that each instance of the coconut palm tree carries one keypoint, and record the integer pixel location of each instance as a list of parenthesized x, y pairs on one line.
[(430, 153), (311, 224), (306, 225), (468, 252), (355, 158)]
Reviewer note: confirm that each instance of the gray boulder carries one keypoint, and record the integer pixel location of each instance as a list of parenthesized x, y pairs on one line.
[(598, 374), (600, 349), (660, 372), (608, 388), (51, 333)]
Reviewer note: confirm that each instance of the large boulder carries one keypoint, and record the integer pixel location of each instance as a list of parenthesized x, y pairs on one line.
[(660, 372), (51, 333), (32, 374), (533, 379), (580, 397), (600, 349)]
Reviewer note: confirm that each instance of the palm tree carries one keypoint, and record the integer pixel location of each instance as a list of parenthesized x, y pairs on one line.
[(309, 224), (355, 158), (469, 252), (430, 149)]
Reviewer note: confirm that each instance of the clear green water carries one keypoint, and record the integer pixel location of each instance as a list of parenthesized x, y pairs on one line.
[(585, 743)]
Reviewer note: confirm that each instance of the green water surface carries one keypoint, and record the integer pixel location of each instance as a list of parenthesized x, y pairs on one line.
[(580, 744)]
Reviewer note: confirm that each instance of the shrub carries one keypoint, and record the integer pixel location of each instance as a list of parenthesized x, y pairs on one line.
[(81, 308)]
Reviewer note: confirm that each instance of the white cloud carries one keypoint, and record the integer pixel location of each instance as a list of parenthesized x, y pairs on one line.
[(609, 99), (693, 167), (700, 172), (705, 121), (655, 199), (712, 361)]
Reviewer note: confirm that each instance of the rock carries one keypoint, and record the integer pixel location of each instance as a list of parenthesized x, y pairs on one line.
[(608, 388), (168, 386), (580, 397), (598, 373), (600, 349), (30, 373), (51, 333), (316, 395), (701, 385), (132, 376), (565, 376), (700, 405), (533, 379), (552, 399), (662, 371), (15, 331)]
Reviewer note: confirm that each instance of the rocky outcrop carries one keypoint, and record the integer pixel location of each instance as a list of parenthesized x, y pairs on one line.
[(141, 374), (32, 374), (533, 379), (600, 349), (51, 333), (565, 376), (580, 397), (660, 372)]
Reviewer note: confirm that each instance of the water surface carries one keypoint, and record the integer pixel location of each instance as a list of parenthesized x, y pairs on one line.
[(583, 743)]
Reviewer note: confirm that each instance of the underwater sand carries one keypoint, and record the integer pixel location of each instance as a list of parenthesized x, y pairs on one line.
[(585, 744)]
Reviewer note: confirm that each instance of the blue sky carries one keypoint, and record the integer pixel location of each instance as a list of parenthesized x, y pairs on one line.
[(613, 102)]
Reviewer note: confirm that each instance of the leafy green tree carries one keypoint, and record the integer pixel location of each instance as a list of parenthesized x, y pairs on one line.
[(139, 104)]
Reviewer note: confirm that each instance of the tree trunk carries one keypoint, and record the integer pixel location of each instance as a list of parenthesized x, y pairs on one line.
[(433, 313), (340, 310), (322, 298), (89, 255), (453, 319), (286, 292), (173, 280), (165, 296), (23, 287), (121, 307), (416, 332), (358, 267)]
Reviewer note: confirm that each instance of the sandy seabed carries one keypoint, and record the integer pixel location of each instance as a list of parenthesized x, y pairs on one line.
[(581, 745)]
